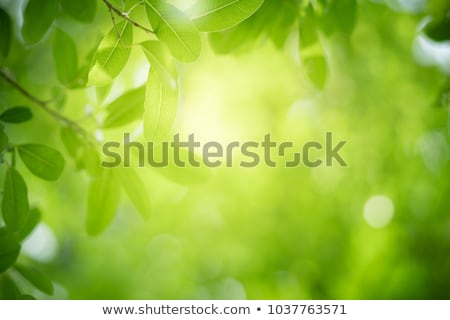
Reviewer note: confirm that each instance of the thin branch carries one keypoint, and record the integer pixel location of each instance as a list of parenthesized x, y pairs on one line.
[(126, 17), (44, 106)]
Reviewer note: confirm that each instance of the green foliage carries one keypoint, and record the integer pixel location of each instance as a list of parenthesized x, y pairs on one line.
[(80, 10), (213, 16), (44, 162), (5, 35), (31, 222), (36, 278), (4, 140), (174, 29), (136, 190), (112, 55), (9, 249), (66, 57), (127, 108), (16, 115), (15, 207), (8, 288), (38, 17), (103, 200), (439, 30)]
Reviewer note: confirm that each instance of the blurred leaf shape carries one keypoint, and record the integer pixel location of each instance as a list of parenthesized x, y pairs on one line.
[(16, 115), (36, 278), (174, 29), (5, 35), (4, 140), (71, 141), (37, 19), (219, 15), (316, 69), (65, 56), (9, 249), (31, 222), (111, 55), (161, 104), (81, 10), (439, 30), (8, 288), (161, 60), (136, 190), (15, 207), (43, 161), (103, 201), (127, 108)]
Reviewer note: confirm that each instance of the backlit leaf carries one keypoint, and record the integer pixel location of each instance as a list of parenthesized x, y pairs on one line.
[(44, 162), (218, 15), (125, 109), (161, 60), (174, 29), (136, 190), (316, 69)]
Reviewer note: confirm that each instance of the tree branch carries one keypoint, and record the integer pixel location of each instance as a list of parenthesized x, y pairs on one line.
[(126, 17), (44, 106)]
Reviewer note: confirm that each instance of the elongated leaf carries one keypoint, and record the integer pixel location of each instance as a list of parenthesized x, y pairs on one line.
[(25, 297), (4, 140), (218, 15), (8, 288), (66, 57), (316, 70), (112, 55), (161, 103), (125, 109), (72, 142), (89, 159), (31, 222), (44, 162), (103, 200), (136, 190), (15, 206), (36, 278), (161, 60), (81, 10), (5, 35), (37, 19), (16, 115), (439, 30), (9, 249), (174, 29)]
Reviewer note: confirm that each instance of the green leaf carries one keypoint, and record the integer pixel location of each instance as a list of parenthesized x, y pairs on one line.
[(9, 249), (4, 140), (5, 35), (161, 60), (72, 141), (127, 108), (81, 10), (307, 31), (316, 69), (136, 190), (112, 55), (31, 222), (16, 115), (66, 58), (15, 206), (439, 30), (161, 104), (9, 289), (25, 297), (103, 200), (36, 278), (218, 15), (89, 159), (37, 19), (44, 162), (174, 29)]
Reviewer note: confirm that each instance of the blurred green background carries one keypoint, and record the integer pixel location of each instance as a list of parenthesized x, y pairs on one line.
[(377, 229)]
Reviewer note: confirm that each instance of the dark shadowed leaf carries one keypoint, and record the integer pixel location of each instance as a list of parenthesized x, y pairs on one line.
[(5, 35), (112, 55), (66, 57), (32, 220), (44, 162), (161, 104), (125, 109), (81, 10), (8, 288), (15, 207), (103, 200), (136, 190), (25, 297), (9, 249), (37, 19), (4, 140), (16, 115), (439, 30), (174, 29), (36, 278), (218, 15)]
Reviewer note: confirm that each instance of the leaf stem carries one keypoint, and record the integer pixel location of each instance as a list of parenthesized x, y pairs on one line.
[(125, 16), (44, 106)]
